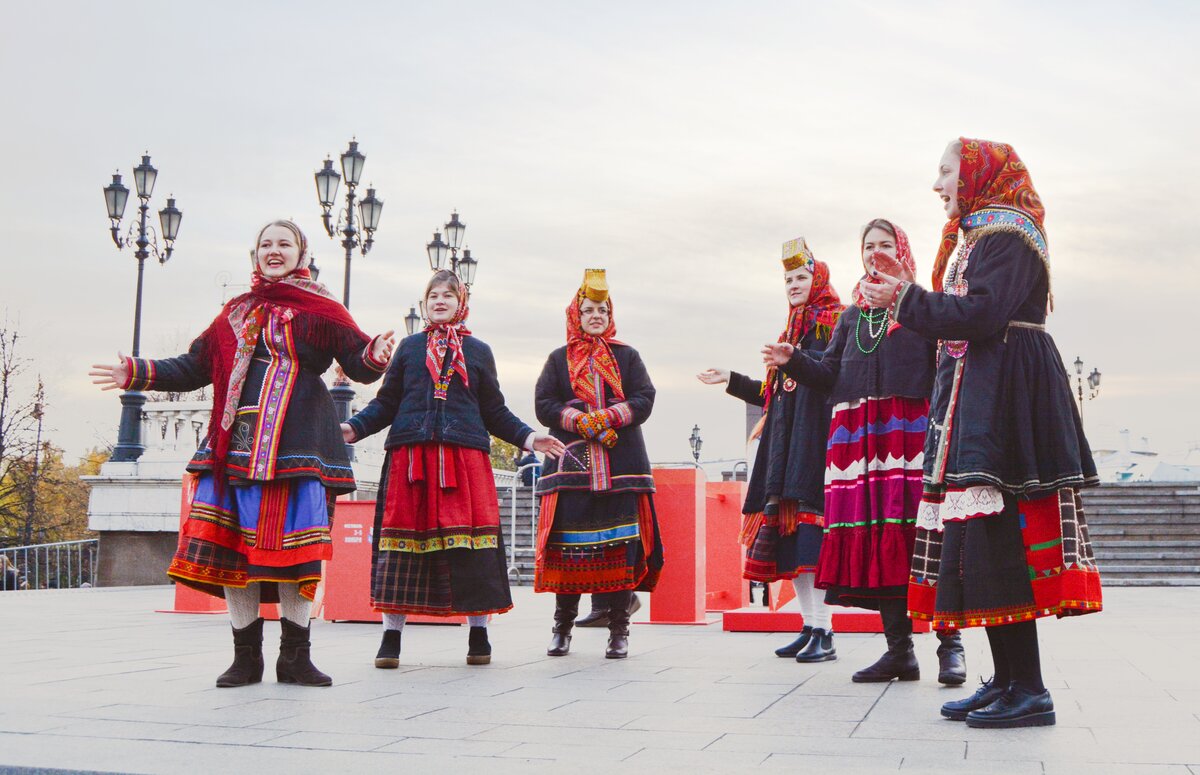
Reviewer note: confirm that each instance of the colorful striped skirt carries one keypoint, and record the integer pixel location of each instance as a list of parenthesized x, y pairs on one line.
[(781, 542), (255, 532), (873, 470), (594, 542), (436, 547), (985, 558)]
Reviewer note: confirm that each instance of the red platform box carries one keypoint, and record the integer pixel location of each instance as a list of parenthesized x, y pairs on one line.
[(762, 619), (347, 580), (725, 557), (188, 600), (679, 501)]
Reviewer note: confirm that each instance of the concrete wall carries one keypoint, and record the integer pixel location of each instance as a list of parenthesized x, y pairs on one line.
[(134, 558)]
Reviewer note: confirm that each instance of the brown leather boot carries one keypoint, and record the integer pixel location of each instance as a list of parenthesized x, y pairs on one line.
[(247, 667), (294, 665), (566, 608)]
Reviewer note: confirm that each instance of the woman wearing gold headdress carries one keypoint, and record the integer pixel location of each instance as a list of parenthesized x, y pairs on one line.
[(598, 532)]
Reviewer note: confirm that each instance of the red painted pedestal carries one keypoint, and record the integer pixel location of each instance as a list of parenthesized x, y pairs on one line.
[(679, 503), (725, 589)]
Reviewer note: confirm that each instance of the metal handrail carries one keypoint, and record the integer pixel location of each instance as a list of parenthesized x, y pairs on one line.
[(59, 565), (512, 504)]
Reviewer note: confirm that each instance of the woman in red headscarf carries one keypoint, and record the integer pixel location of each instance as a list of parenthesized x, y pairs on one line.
[(879, 377), (597, 531), (437, 546), (273, 460), (785, 500), (1002, 537)]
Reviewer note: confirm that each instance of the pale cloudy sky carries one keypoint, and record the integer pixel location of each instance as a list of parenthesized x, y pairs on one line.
[(675, 143)]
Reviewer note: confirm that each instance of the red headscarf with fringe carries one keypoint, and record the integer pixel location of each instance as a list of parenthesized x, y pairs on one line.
[(586, 351), (443, 338), (822, 309), (990, 174), (317, 318)]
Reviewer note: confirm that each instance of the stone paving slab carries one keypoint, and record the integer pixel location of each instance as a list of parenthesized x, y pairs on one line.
[(96, 680)]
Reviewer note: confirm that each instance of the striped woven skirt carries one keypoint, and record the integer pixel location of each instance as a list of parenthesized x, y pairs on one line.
[(873, 470), (437, 546), (255, 532), (782, 541)]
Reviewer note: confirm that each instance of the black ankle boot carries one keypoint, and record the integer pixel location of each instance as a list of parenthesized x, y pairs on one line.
[(566, 608), (1017, 707), (479, 651), (819, 649), (294, 665), (597, 617), (987, 693), (388, 656), (793, 648), (618, 633), (952, 660), (247, 667), (893, 664)]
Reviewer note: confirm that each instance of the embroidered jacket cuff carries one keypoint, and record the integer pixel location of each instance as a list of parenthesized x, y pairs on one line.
[(371, 362), (141, 373), (568, 419), (619, 415)]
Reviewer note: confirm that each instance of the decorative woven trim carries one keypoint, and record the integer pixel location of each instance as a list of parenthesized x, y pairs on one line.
[(141, 373), (369, 360), (619, 415)]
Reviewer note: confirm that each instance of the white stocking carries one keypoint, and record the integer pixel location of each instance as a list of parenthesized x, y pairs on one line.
[(292, 605), (242, 605), (394, 621), (478, 621), (816, 614)]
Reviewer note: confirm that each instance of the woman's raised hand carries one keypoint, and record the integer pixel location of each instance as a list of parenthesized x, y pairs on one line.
[(348, 434), (381, 347), (713, 376), (777, 353), (548, 446), (881, 291), (110, 377)]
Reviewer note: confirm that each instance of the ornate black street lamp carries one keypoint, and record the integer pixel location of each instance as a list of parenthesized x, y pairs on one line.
[(412, 320), (696, 443), (1093, 382), (370, 208), (142, 235), (440, 250)]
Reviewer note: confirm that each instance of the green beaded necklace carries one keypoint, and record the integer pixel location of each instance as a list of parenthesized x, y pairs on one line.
[(873, 317)]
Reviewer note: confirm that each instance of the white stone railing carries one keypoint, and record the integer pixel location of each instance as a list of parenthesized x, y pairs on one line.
[(172, 430)]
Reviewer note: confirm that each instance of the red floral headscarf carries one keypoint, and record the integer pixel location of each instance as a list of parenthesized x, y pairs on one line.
[(586, 352), (822, 310), (991, 174), (442, 338)]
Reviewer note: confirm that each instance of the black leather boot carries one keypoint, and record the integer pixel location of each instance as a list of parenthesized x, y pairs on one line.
[(793, 648), (618, 629), (1017, 707), (598, 616), (566, 608), (952, 659), (479, 650), (898, 661), (987, 693), (247, 667), (294, 665), (819, 649), (388, 657)]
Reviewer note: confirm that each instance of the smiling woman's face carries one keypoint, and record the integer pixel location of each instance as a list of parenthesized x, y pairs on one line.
[(441, 303), (277, 253), (946, 185)]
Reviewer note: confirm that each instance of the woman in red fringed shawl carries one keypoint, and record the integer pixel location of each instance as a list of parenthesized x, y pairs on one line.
[(438, 549), (785, 500), (273, 461), (1002, 537), (598, 532), (878, 376)]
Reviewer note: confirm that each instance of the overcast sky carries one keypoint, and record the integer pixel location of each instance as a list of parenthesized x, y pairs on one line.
[(675, 143)]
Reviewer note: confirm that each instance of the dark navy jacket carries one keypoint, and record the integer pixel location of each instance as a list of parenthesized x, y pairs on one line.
[(405, 402)]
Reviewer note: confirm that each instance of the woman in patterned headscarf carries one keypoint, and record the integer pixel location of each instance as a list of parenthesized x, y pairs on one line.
[(879, 377), (272, 461), (1002, 537), (597, 531), (784, 504), (438, 549)]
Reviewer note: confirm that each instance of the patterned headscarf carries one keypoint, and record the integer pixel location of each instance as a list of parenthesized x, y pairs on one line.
[(586, 352), (441, 338), (991, 175), (821, 311)]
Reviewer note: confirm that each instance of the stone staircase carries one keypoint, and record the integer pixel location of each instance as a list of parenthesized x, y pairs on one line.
[(1145, 534), (523, 546)]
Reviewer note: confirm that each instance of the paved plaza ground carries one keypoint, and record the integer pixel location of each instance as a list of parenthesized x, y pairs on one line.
[(96, 680)]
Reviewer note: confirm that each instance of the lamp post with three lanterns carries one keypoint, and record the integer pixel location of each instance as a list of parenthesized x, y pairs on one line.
[(1093, 381), (143, 236)]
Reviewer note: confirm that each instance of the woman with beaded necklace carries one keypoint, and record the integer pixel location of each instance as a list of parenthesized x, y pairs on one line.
[(879, 377)]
